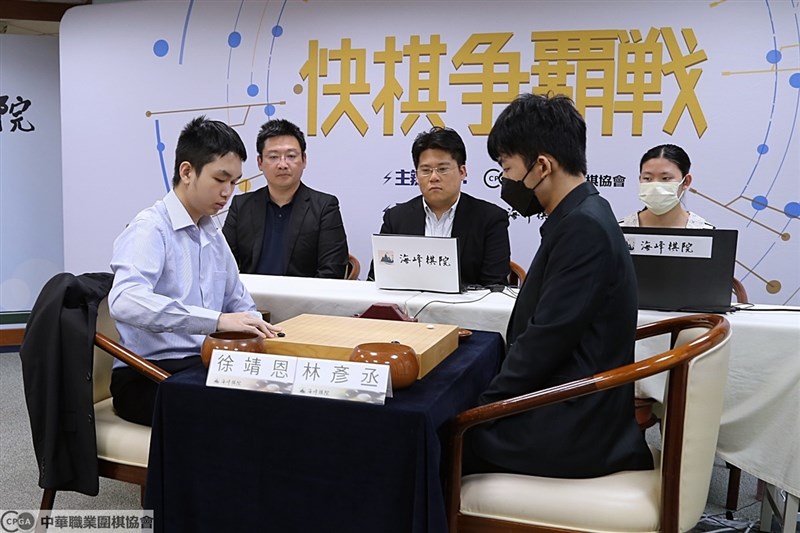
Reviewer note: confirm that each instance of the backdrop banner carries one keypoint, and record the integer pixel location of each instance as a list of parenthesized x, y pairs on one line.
[(31, 221), (363, 78)]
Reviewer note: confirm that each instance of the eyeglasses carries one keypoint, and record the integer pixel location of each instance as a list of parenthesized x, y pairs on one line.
[(426, 172), (289, 157)]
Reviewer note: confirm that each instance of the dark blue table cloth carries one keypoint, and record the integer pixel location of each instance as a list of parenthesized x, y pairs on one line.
[(236, 460)]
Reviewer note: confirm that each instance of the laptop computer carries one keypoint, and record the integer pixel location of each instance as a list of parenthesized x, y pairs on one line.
[(680, 269), (414, 262)]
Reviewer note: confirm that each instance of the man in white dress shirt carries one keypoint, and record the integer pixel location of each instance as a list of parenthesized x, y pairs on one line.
[(175, 279), (444, 210)]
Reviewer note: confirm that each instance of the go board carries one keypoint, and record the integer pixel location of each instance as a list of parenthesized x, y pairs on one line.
[(334, 337)]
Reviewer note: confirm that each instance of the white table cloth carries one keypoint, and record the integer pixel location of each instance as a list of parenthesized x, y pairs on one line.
[(760, 426), (286, 297)]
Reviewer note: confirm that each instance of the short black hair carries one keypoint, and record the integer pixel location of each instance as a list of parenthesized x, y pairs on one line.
[(277, 128), (203, 140), (534, 124), (445, 139), (670, 152)]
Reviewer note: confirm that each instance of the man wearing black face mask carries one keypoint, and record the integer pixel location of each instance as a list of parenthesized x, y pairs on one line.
[(575, 315)]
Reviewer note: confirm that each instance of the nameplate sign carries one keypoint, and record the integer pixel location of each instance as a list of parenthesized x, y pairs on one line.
[(416, 263), (300, 376), (670, 245)]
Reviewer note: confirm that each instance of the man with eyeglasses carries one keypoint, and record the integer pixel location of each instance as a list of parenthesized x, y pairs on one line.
[(286, 228), (442, 210)]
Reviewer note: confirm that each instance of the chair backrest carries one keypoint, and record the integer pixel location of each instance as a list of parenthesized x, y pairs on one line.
[(101, 373), (739, 292), (353, 268), (691, 427), (517, 275)]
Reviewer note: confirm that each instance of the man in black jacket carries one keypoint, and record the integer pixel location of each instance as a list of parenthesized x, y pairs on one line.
[(442, 210), (576, 312), (286, 228)]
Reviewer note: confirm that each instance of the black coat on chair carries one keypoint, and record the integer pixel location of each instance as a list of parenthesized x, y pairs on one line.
[(57, 355)]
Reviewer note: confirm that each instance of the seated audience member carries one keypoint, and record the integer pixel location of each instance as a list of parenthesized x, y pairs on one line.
[(442, 210), (286, 228), (663, 181), (575, 315), (175, 279)]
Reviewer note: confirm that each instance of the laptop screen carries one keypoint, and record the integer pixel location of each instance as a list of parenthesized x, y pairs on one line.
[(680, 269)]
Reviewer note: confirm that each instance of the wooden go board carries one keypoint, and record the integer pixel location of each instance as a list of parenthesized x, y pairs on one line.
[(334, 337)]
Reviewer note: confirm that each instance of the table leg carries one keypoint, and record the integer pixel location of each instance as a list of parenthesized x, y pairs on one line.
[(770, 505), (790, 513)]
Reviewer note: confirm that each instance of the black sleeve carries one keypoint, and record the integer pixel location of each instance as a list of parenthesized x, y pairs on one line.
[(572, 291)]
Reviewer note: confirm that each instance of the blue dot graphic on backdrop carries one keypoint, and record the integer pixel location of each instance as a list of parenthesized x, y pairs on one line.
[(794, 80), (269, 110), (234, 39), (160, 48), (774, 56), (277, 30), (792, 210), (759, 203), (160, 147), (762, 149), (252, 90)]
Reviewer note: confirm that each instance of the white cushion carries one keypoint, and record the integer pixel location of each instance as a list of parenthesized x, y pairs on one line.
[(118, 440), (621, 502)]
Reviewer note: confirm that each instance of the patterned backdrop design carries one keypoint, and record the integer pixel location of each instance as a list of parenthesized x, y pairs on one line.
[(362, 78)]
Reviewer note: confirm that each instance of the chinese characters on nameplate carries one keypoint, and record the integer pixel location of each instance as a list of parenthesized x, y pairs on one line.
[(300, 376), (417, 263), (671, 245)]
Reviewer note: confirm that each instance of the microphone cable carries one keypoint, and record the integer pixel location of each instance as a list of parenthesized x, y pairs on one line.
[(450, 302), (502, 289)]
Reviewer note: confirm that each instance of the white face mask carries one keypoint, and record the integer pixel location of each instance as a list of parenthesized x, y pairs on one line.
[(660, 196)]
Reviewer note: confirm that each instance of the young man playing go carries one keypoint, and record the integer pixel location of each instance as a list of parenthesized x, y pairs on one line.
[(575, 315), (175, 279)]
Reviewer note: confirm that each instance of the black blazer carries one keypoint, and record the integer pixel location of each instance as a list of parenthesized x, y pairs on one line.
[(57, 356), (482, 230), (316, 242), (575, 316)]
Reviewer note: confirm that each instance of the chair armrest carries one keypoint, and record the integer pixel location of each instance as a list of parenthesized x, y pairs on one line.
[(605, 380), (566, 391), (138, 363), (616, 377)]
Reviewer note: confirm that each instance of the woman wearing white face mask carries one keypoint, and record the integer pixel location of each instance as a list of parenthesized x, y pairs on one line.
[(663, 180)]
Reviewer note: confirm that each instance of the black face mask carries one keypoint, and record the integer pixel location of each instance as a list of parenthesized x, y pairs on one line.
[(520, 198)]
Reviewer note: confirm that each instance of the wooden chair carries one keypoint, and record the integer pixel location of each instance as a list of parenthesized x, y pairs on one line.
[(739, 292), (670, 498), (122, 447), (517, 275), (353, 268), (646, 417)]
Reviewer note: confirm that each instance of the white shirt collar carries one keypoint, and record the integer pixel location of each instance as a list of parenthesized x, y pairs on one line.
[(449, 213), (180, 218)]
